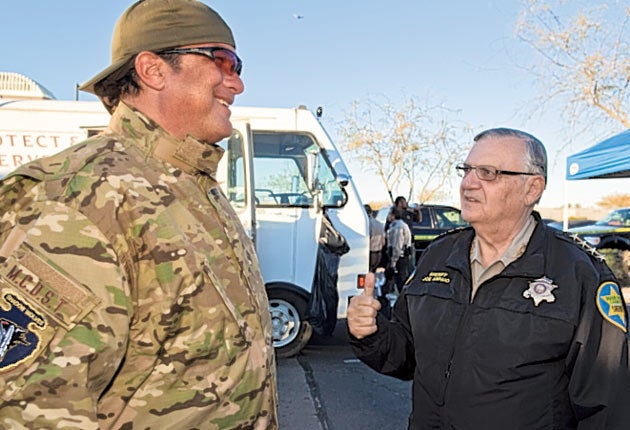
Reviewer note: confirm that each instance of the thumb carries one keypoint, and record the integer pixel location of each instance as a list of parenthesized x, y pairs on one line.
[(368, 289)]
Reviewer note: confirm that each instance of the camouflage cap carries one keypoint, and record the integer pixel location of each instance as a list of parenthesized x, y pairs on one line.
[(154, 25)]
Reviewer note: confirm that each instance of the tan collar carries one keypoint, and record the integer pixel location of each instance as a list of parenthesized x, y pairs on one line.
[(516, 248), (190, 154)]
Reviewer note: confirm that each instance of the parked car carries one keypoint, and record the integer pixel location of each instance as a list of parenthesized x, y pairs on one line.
[(559, 225), (434, 220), (613, 231), (611, 237)]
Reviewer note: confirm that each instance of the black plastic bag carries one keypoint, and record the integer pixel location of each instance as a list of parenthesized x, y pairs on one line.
[(322, 306), (330, 238)]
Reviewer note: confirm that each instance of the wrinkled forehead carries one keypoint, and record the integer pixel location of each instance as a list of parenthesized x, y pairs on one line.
[(498, 151)]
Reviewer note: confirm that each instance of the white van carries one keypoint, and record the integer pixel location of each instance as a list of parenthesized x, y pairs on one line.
[(281, 172)]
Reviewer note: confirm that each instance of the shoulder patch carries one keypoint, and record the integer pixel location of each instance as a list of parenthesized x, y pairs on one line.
[(53, 293), (610, 304), (21, 327)]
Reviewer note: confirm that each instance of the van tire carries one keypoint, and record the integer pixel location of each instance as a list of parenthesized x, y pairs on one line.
[(291, 331)]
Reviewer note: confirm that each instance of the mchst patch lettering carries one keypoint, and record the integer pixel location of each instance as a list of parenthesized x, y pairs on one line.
[(55, 295)]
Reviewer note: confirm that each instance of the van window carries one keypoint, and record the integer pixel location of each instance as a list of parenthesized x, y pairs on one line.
[(236, 191)]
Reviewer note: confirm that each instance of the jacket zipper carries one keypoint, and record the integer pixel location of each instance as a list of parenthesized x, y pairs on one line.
[(458, 334)]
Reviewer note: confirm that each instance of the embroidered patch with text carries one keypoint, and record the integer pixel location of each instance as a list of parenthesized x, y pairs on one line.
[(20, 328), (611, 305), (442, 277)]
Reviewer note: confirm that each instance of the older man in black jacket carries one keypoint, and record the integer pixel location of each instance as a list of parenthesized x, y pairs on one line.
[(507, 324)]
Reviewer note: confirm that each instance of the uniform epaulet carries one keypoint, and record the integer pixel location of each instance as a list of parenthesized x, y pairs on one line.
[(576, 240)]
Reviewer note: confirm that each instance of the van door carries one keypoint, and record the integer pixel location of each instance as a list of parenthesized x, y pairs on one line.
[(288, 219), (236, 177)]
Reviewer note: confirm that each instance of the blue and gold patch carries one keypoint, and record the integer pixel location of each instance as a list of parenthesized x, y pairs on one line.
[(611, 305), (20, 326)]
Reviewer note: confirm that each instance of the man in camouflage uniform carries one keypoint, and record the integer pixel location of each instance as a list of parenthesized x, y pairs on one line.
[(130, 296)]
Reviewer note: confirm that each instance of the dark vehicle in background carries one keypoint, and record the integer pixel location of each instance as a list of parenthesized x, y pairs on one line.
[(611, 237), (558, 225), (613, 231), (433, 221)]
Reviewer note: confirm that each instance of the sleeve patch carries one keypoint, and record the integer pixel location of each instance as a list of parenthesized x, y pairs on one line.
[(21, 328), (55, 295), (611, 305)]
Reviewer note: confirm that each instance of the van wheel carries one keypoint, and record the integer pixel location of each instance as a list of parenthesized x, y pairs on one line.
[(291, 332)]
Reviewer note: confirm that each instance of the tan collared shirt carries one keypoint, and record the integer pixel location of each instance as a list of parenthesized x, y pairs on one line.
[(515, 250)]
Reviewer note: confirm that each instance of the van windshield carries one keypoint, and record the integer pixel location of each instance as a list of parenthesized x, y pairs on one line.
[(289, 168)]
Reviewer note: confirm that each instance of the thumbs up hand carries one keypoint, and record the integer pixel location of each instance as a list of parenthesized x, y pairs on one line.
[(362, 311), (368, 288)]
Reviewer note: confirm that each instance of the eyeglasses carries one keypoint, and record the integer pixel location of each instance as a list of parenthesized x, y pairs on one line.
[(224, 58), (487, 173)]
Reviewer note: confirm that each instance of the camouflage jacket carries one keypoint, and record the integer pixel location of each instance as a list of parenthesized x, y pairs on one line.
[(130, 296)]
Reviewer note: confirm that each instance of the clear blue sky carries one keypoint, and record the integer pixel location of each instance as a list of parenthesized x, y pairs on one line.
[(460, 52)]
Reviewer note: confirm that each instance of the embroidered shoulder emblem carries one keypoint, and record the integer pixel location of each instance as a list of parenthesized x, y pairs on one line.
[(611, 305), (540, 290), (20, 326)]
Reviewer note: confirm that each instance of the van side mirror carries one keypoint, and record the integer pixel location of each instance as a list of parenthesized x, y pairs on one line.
[(343, 179)]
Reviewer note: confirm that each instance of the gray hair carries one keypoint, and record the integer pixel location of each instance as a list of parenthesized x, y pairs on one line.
[(536, 154)]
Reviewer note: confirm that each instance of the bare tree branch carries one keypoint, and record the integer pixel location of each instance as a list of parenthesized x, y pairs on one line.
[(408, 145), (585, 53)]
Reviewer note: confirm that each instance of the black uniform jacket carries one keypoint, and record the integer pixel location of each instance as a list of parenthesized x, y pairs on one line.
[(542, 346)]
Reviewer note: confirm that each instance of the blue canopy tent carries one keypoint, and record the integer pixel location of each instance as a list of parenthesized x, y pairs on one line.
[(609, 158)]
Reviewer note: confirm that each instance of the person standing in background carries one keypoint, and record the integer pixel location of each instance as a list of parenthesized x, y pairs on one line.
[(377, 238), (410, 216), (399, 248), (130, 296)]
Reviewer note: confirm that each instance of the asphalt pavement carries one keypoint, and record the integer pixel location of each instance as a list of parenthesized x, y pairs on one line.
[(325, 387), (296, 408)]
